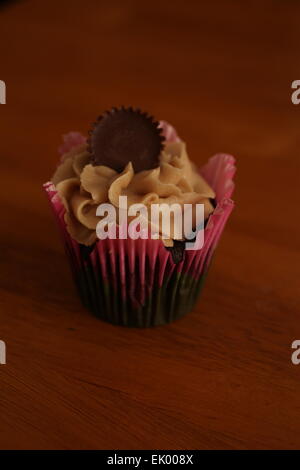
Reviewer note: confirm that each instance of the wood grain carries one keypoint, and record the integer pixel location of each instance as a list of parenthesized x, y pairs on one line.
[(221, 377)]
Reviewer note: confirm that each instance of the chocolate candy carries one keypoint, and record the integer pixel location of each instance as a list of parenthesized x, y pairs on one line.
[(125, 135)]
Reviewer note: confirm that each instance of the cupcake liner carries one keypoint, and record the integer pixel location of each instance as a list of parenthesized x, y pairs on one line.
[(136, 282)]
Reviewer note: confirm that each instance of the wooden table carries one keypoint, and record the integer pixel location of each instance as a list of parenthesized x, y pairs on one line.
[(221, 377)]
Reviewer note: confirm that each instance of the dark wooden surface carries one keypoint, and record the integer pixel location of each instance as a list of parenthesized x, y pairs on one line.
[(221, 377)]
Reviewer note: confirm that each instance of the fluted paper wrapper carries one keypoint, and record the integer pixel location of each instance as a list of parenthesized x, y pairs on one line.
[(135, 282)]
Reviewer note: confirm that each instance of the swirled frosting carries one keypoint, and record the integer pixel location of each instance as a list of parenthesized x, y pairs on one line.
[(82, 187)]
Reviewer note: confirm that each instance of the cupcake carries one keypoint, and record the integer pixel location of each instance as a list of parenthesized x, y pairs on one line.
[(129, 269)]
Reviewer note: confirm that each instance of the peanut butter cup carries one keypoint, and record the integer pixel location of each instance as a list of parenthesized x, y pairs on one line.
[(124, 135)]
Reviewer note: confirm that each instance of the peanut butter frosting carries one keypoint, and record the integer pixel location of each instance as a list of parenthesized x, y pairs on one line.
[(82, 187)]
